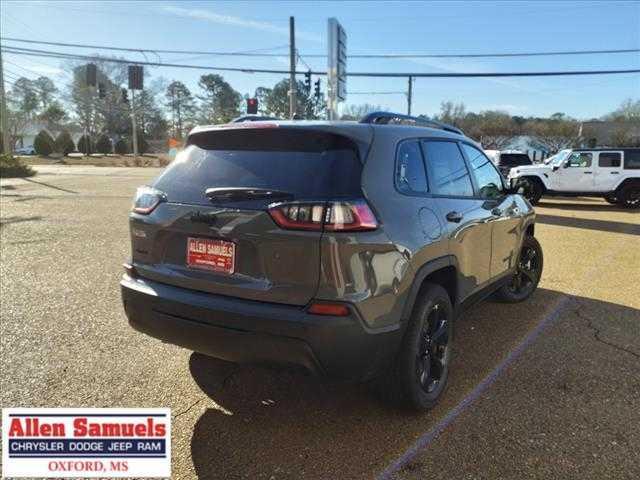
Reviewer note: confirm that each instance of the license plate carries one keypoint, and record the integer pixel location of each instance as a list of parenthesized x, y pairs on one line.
[(208, 254)]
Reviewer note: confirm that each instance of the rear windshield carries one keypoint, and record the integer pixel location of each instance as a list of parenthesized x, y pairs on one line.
[(306, 164), (514, 159)]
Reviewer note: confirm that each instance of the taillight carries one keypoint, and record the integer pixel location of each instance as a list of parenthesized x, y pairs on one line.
[(345, 216), (147, 199)]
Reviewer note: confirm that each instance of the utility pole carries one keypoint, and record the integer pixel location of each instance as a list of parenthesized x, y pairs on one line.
[(133, 126), (409, 95), (4, 123), (292, 77)]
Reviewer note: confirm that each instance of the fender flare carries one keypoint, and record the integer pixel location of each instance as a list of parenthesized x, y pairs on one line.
[(537, 176), (626, 181), (423, 272)]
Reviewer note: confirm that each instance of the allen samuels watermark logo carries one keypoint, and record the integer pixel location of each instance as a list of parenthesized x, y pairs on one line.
[(86, 442)]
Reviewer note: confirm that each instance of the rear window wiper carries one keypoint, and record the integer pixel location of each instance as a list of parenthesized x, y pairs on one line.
[(238, 193)]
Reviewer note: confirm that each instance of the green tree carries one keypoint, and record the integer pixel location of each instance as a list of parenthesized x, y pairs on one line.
[(46, 91), (277, 102), (85, 145), (43, 143), (182, 106), (64, 143), (220, 102), (54, 115), (103, 144), (23, 97)]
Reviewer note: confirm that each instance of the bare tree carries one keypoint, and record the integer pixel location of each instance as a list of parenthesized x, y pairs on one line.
[(356, 112), (557, 133)]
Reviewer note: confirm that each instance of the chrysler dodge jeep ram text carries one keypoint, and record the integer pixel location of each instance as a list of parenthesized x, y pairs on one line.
[(344, 248)]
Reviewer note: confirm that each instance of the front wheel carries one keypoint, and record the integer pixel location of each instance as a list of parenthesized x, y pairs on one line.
[(630, 196), (527, 275), (421, 370), (532, 190), (611, 198)]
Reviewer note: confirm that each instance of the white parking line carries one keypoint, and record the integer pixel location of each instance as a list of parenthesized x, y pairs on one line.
[(425, 439)]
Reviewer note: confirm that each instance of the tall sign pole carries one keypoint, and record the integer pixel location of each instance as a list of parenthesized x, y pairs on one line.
[(134, 129), (292, 75), (4, 122), (336, 68), (136, 82), (409, 95)]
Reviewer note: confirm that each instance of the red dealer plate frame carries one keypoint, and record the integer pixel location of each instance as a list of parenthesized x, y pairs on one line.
[(211, 254)]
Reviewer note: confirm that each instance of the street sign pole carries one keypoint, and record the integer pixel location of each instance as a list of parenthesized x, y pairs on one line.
[(336, 68), (409, 95), (133, 126), (292, 75)]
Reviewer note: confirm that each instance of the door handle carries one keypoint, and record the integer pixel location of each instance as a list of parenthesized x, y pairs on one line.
[(614, 173), (588, 173), (454, 217)]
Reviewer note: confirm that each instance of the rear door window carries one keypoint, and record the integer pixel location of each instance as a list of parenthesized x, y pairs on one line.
[(447, 171), (609, 159), (410, 173), (306, 164), (487, 177)]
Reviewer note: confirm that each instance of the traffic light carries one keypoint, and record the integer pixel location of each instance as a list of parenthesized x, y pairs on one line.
[(135, 77), (307, 81), (317, 92), (252, 106), (125, 96), (101, 90), (91, 74)]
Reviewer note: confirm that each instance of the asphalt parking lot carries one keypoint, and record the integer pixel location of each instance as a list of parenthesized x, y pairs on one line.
[(549, 388)]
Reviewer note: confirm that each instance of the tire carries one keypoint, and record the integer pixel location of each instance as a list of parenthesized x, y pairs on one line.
[(533, 190), (611, 198), (421, 369), (528, 273), (630, 196)]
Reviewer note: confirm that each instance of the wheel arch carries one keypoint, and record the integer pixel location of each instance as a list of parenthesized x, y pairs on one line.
[(537, 178), (442, 271), (626, 182)]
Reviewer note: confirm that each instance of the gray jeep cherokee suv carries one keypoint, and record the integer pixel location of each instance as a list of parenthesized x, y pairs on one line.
[(344, 248)]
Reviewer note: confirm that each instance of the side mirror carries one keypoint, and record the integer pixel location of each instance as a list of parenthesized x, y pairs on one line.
[(555, 168), (566, 165)]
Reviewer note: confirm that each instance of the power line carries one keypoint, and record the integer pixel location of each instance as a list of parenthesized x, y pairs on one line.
[(377, 93), (259, 53), (52, 54)]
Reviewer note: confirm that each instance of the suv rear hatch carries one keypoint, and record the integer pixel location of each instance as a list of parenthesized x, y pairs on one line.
[(214, 232)]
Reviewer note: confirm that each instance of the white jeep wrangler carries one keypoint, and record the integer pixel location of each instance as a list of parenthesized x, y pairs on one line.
[(611, 173)]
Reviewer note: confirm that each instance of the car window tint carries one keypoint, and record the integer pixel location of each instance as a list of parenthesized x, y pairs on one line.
[(609, 159), (632, 159), (487, 177), (580, 159), (446, 168), (410, 174)]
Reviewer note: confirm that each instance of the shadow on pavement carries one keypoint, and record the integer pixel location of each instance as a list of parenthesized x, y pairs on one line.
[(277, 423), (589, 223), (9, 220), (50, 186)]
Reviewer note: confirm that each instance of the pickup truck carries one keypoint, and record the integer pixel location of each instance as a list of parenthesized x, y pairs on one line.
[(610, 173)]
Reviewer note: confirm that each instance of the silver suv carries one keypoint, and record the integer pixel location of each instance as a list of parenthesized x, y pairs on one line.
[(347, 249)]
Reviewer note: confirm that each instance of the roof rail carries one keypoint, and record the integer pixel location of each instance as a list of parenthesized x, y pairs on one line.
[(384, 118)]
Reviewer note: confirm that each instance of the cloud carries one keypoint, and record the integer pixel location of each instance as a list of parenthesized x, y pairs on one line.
[(46, 70), (220, 19)]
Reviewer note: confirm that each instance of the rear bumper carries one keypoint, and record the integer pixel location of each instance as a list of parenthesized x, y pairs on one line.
[(246, 331)]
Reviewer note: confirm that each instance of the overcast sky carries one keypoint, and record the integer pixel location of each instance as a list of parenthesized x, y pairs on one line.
[(372, 27)]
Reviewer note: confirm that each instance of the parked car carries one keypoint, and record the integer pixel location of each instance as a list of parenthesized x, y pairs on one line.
[(611, 173), (505, 160), (25, 151), (347, 249)]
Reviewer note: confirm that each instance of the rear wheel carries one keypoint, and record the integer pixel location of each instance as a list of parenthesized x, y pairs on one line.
[(612, 198), (422, 367), (533, 189), (630, 196), (527, 275)]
